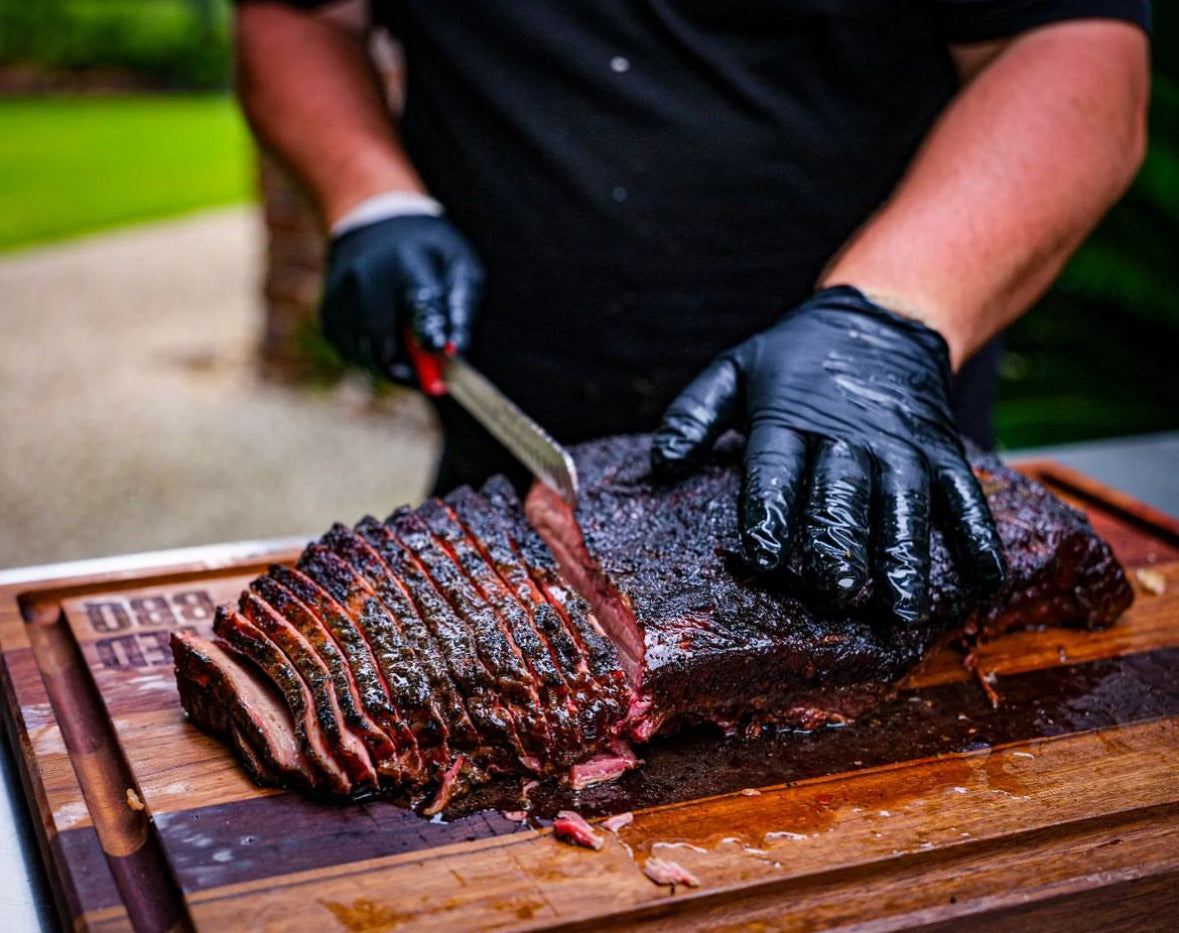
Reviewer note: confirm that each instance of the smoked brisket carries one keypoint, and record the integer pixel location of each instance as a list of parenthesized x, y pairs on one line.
[(476, 636)]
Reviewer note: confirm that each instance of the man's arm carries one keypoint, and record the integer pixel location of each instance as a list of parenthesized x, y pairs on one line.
[(313, 98), (1046, 134)]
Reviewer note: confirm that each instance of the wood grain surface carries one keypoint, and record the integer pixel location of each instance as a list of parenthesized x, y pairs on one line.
[(1060, 809)]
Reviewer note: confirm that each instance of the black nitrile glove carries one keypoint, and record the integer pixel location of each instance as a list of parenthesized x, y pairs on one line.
[(850, 440), (413, 270)]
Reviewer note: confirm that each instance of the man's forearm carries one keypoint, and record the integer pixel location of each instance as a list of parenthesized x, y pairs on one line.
[(1025, 160), (312, 97)]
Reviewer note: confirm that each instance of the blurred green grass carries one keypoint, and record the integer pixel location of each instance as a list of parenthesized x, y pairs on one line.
[(74, 165)]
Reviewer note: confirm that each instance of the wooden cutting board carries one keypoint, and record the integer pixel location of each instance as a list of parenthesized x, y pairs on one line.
[(1060, 808)]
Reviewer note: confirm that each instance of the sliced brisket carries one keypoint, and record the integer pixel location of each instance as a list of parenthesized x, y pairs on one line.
[(326, 771), (601, 659), (363, 650), (546, 694), (381, 744), (407, 652), (348, 748), (454, 567), (471, 648), (551, 651), (448, 641)]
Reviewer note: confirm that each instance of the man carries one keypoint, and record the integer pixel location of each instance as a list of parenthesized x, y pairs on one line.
[(838, 203)]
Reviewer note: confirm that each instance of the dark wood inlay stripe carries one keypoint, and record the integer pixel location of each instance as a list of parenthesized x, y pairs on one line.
[(91, 885), (252, 839), (132, 851)]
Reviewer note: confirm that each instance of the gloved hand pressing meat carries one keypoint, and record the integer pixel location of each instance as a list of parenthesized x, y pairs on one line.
[(413, 270), (851, 446)]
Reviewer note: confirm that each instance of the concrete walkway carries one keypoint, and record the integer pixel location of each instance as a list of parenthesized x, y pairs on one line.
[(130, 417)]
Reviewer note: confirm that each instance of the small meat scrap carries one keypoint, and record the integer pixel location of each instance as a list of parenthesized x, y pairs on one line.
[(987, 680), (665, 871), (618, 821), (133, 800), (1152, 581), (572, 828), (601, 769)]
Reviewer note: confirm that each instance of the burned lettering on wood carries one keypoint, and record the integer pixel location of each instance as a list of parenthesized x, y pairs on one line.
[(138, 649), (164, 611), (108, 616)]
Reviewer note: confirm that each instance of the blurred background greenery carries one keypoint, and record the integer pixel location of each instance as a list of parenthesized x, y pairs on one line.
[(182, 44), (114, 111), (1097, 357)]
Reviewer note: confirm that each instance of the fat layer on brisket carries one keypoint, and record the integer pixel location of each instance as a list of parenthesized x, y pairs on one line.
[(476, 636)]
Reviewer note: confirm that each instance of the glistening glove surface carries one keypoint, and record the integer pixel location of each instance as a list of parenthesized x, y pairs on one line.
[(851, 445), (415, 270)]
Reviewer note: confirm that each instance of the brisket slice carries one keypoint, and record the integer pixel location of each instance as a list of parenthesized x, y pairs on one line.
[(349, 749), (325, 771), (552, 652), (476, 636), (407, 653), (586, 653), (473, 649), (223, 696), (474, 546), (599, 654), (456, 569), (381, 744), (448, 646), (364, 648), (701, 641), (545, 690)]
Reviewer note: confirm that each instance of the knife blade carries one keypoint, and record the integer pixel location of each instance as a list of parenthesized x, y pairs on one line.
[(449, 374)]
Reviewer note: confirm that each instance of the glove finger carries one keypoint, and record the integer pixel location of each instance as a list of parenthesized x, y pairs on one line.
[(427, 316), (692, 422), (424, 298), (970, 528), (402, 372), (902, 537), (775, 471), (836, 521), (464, 288), (389, 360)]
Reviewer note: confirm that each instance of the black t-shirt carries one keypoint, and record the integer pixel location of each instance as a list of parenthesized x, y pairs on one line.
[(648, 182)]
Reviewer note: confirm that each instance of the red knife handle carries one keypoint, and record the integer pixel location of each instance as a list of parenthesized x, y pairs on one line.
[(427, 366)]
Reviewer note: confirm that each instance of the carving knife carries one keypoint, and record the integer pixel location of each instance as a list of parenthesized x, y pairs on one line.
[(447, 373)]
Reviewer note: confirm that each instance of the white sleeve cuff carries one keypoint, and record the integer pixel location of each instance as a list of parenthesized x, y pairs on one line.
[(383, 206)]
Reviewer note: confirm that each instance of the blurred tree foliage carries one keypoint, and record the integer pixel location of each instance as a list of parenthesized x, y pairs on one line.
[(181, 44), (1098, 356)]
